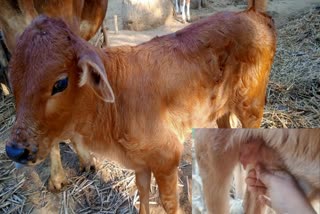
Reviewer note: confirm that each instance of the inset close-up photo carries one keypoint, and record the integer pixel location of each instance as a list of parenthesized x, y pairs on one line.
[(256, 171)]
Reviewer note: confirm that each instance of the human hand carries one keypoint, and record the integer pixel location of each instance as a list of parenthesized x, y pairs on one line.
[(278, 190)]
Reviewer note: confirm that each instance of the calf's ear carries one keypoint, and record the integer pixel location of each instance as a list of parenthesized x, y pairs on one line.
[(95, 76)]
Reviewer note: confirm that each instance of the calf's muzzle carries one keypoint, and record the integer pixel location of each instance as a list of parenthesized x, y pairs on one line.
[(17, 154)]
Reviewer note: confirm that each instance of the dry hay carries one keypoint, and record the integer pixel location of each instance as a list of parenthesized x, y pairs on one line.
[(294, 87), (110, 190), (7, 117), (24, 190)]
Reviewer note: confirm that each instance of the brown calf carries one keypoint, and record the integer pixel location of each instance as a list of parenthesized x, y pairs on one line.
[(137, 104), (294, 150), (83, 16)]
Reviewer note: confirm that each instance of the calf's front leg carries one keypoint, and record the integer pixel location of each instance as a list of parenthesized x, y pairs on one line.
[(168, 184), (85, 157), (58, 178), (143, 179)]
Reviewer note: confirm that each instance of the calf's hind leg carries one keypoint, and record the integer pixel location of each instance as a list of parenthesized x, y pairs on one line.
[(251, 104), (216, 166)]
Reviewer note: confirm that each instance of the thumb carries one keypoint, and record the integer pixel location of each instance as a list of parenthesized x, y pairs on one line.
[(264, 175)]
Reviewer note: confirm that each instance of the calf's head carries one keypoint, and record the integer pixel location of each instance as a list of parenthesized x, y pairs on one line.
[(55, 76)]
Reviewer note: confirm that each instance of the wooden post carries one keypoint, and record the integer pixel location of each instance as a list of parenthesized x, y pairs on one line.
[(105, 42), (116, 24)]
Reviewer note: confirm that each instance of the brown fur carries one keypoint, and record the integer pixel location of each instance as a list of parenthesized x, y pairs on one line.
[(294, 150), (137, 104), (83, 16)]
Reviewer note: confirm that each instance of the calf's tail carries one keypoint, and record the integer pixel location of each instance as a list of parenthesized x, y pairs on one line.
[(257, 5)]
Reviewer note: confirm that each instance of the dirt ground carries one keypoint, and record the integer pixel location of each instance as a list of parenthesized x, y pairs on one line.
[(111, 189)]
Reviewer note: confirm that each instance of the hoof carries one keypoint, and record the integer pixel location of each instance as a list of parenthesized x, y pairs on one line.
[(55, 184)]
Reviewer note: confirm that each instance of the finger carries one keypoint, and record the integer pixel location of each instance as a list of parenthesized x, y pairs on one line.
[(251, 181), (264, 175), (259, 184), (252, 174), (257, 190), (264, 200), (254, 182)]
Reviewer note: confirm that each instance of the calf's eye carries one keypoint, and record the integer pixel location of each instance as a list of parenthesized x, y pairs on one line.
[(60, 86)]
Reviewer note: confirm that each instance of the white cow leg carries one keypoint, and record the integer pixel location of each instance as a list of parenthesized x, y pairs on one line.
[(177, 6), (183, 11), (188, 12)]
